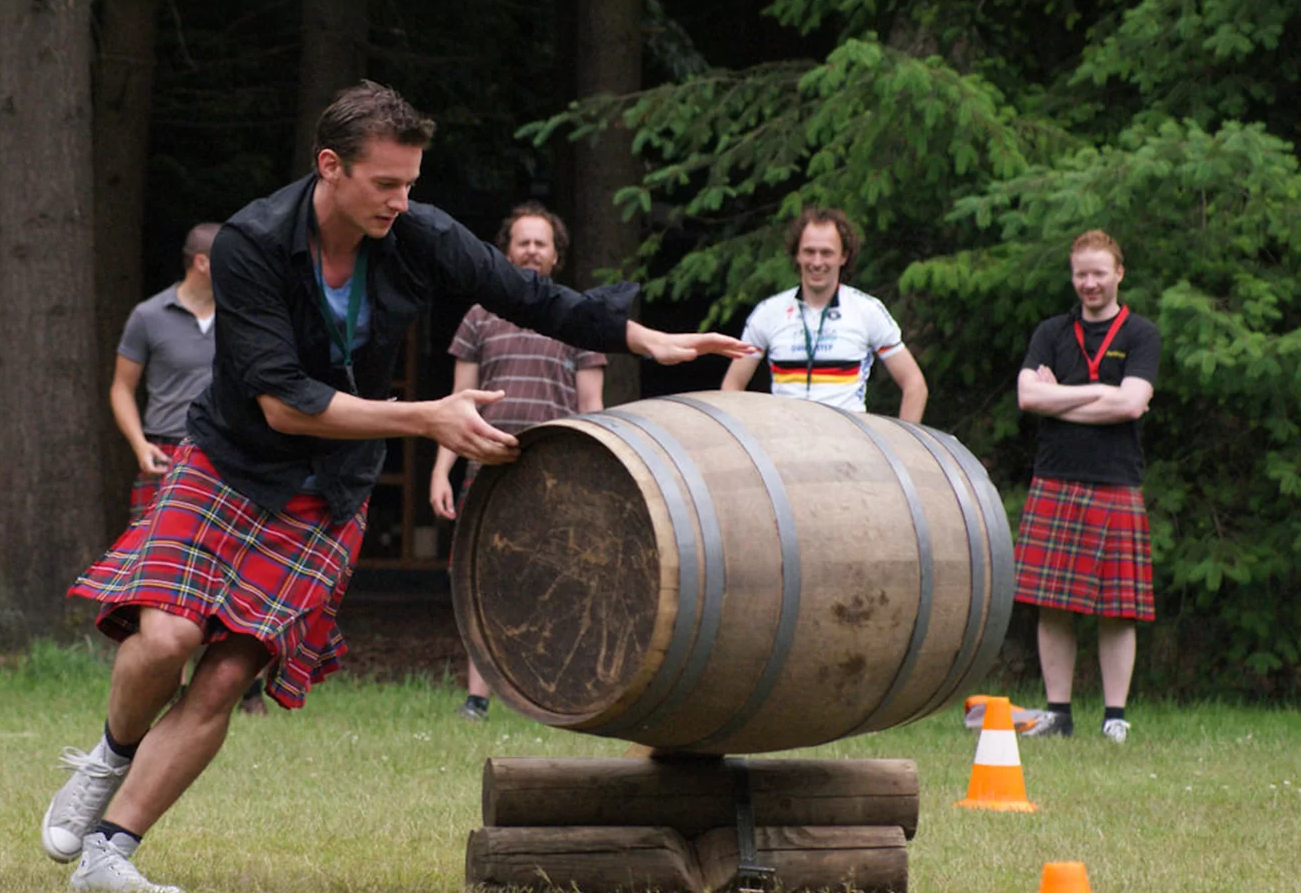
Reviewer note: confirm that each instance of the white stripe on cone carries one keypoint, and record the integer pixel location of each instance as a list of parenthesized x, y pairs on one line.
[(997, 747)]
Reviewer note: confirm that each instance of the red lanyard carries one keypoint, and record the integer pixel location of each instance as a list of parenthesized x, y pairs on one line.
[(1096, 361)]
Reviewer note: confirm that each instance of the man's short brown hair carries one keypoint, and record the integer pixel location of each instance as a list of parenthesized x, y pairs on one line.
[(198, 241), (1098, 240), (363, 112), (559, 232), (849, 241)]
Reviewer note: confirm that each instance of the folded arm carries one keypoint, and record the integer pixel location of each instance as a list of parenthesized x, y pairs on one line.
[(1086, 404), (1038, 392), (1125, 403)]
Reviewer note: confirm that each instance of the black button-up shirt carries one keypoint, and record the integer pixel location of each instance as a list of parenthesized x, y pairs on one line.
[(272, 339)]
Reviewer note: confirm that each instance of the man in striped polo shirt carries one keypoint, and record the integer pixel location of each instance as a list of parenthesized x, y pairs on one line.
[(822, 337), (542, 378)]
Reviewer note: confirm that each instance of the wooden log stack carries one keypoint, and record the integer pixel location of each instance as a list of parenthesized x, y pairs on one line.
[(692, 823)]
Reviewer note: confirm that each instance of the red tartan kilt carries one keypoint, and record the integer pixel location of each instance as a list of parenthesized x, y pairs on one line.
[(145, 487), (1085, 548), (209, 554)]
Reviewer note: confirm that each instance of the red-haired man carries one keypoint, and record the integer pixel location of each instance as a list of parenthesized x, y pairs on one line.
[(1083, 546)]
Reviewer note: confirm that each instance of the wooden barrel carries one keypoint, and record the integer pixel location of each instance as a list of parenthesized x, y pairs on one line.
[(732, 573)]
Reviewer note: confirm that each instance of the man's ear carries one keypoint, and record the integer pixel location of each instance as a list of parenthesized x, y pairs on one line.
[(329, 165)]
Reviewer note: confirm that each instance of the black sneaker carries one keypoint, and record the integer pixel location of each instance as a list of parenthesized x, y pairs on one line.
[(1051, 724)]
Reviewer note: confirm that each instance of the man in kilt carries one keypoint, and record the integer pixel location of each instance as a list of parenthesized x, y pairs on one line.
[(252, 538), (168, 341), (1083, 545)]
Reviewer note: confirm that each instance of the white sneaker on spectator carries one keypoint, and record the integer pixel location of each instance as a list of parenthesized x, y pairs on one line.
[(1116, 729), (79, 805), (106, 868), (1050, 725)]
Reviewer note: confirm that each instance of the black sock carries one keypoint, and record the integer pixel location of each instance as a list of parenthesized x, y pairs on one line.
[(125, 751), (1113, 713), (108, 829), (254, 690), (1062, 707), (479, 702)]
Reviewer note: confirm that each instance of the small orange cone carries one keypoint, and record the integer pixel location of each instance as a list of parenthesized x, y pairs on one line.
[(1064, 877), (996, 780)]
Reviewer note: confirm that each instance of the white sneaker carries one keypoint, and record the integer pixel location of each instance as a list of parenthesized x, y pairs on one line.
[(1050, 724), (79, 805), (106, 868), (1116, 729)]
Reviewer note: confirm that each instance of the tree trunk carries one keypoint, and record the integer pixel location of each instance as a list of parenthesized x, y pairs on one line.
[(50, 491), (334, 57), (608, 46), (123, 87)]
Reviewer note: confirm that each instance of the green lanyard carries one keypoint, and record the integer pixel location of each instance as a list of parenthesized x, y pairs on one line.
[(810, 343), (356, 295)]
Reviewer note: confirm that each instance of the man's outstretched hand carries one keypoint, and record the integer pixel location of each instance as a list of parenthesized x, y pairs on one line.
[(668, 349), (456, 424)]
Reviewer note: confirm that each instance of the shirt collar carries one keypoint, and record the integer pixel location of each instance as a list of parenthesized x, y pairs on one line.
[(835, 298)]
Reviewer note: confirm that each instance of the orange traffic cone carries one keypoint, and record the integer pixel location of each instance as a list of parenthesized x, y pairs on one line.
[(996, 780), (1064, 877), (973, 714)]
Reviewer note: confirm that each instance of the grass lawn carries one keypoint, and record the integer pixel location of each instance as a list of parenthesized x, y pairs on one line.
[(375, 788)]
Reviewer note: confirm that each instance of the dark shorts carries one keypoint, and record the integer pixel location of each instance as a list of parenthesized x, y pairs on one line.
[(145, 487), (209, 554), (1085, 548)]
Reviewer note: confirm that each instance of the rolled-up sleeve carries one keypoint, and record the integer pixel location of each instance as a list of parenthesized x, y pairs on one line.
[(254, 332), (469, 269)]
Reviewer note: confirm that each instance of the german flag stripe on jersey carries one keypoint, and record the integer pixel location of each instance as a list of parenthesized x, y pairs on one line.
[(823, 371)]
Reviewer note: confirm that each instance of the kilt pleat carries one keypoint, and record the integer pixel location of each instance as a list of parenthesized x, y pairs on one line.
[(1085, 548), (207, 553)]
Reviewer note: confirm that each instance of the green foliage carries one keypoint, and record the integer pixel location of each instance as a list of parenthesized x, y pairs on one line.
[(734, 154), (971, 141), (1208, 60), (1213, 250)]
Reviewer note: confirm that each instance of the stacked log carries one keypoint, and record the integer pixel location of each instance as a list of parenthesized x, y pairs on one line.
[(681, 824)]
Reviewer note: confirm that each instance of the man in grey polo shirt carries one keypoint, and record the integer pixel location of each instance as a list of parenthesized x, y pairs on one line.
[(169, 340)]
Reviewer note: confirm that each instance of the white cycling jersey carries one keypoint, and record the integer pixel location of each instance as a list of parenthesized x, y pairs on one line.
[(823, 355)]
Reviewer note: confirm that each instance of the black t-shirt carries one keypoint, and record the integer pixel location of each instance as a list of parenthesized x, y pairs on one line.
[(1095, 454)]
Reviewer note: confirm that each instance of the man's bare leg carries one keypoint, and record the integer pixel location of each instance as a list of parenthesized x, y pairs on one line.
[(182, 744), (477, 695), (477, 685), (1117, 648), (1057, 646), (147, 672)]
